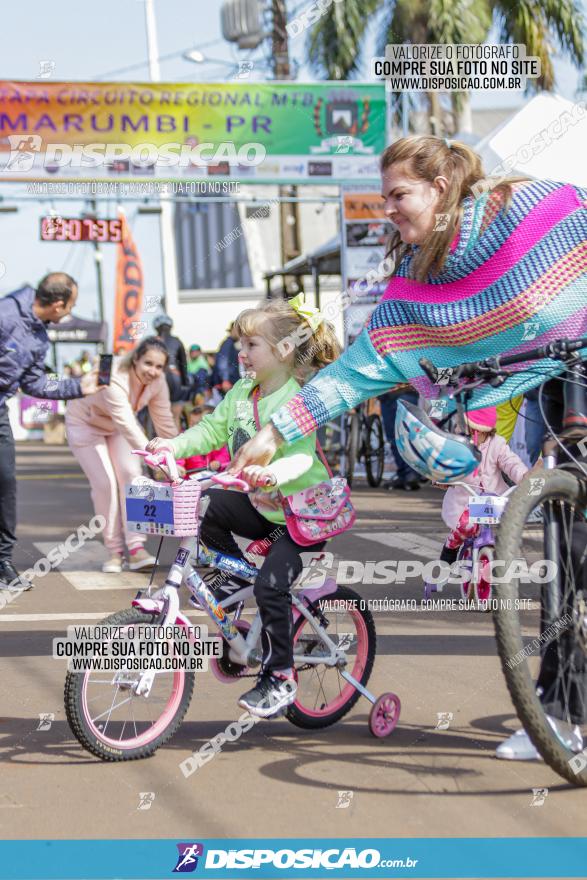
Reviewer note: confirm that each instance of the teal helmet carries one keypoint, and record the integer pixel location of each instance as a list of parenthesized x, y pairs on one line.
[(433, 453)]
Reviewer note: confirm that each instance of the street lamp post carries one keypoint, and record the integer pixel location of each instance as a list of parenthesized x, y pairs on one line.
[(166, 217), (289, 214)]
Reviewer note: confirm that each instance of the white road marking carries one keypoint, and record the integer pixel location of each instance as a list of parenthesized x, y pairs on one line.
[(415, 545), (90, 615), (97, 580), (83, 569), (32, 618)]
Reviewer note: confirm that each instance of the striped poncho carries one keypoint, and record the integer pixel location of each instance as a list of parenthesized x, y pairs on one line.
[(513, 280)]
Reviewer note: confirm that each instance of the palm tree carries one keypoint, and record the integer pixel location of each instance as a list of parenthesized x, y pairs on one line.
[(335, 42)]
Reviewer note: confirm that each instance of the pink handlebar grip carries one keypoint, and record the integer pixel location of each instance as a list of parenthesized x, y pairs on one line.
[(229, 481), (160, 458)]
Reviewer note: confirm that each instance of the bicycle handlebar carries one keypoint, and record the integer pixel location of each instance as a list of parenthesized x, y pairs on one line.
[(162, 460), (559, 349), (476, 490), (166, 462)]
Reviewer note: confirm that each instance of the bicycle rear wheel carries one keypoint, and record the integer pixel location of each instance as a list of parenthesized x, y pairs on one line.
[(374, 450), (324, 696), (108, 718), (555, 662), (351, 448)]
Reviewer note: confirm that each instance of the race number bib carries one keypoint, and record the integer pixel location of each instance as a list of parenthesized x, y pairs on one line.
[(486, 509)]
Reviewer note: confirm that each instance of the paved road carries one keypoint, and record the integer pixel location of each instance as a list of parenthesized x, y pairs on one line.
[(276, 780)]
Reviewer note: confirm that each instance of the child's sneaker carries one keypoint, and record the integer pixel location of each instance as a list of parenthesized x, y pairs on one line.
[(271, 694), (139, 559), (449, 554), (113, 565)]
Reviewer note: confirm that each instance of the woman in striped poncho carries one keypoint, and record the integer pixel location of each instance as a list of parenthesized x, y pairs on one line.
[(512, 259), (478, 263)]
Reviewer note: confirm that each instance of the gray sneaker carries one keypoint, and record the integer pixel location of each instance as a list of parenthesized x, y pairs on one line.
[(271, 694), (10, 580)]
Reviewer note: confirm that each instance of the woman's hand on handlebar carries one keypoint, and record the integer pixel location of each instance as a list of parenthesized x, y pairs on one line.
[(158, 444)]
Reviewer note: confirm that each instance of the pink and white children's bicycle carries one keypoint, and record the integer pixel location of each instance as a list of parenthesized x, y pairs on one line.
[(476, 554), (128, 714)]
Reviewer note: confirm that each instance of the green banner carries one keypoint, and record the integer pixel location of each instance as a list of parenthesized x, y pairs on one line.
[(263, 130)]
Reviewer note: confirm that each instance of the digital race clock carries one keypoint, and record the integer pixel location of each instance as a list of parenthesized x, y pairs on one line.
[(76, 229)]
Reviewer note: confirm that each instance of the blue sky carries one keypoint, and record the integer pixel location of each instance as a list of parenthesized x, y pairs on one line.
[(88, 41)]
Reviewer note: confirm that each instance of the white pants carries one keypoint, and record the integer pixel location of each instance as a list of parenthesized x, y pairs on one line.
[(109, 465)]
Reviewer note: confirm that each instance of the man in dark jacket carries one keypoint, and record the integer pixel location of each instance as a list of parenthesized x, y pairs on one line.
[(23, 346), (176, 371), (226, 371)]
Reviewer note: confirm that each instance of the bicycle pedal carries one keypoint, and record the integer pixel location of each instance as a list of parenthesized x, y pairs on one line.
[(279, 714)]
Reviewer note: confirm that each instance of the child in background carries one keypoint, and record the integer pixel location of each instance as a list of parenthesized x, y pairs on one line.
[(496, 457), (214, 460), (273, 352)]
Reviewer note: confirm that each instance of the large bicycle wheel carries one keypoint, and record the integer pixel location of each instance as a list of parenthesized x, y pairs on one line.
[(374, 450), (108, 718), (351, 445), (324, 696), (546, 675)]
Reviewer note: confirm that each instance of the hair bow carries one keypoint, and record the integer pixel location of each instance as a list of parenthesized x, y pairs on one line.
[(312, 315)]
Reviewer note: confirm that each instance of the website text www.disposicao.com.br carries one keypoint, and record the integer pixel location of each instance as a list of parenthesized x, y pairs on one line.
[(329, 859)]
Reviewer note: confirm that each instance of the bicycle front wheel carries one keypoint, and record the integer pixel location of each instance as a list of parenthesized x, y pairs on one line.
[(106, 715), (374, 450), (540, 538), (324, 696)]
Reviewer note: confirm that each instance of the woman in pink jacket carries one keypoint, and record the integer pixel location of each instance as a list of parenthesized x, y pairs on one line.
[(103, 430), (496, 458)]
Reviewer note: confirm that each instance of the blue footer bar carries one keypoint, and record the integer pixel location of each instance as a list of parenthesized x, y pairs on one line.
[(508, 857)]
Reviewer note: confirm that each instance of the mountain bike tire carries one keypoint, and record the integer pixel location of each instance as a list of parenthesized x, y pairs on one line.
[(562, 488)]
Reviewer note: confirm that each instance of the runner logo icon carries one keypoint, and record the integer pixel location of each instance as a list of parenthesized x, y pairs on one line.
[(187, 860)]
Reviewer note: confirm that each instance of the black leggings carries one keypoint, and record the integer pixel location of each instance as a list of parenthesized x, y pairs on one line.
[(231, 513)]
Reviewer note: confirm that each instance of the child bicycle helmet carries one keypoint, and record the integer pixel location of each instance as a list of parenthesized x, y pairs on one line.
[(435, 454)]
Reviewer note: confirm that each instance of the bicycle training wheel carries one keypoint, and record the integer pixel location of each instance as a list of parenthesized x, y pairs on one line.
[(108, 718), (324, 696), (548, 674), (374, 450)]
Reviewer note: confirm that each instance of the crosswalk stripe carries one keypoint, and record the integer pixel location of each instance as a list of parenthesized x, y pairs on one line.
[(51, 477), (83, 569), (91, 615), (416, 545)]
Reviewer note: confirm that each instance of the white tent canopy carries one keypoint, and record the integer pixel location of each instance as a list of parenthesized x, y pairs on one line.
[(547, 138)]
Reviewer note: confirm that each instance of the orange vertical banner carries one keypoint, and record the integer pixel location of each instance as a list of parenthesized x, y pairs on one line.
[(128, 305)]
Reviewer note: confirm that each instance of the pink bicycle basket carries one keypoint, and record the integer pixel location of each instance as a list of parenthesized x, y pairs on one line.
[(186, 501), (163, 509)]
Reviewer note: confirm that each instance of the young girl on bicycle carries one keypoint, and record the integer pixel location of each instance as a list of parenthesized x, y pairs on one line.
[(496, 459), (272, 359)]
